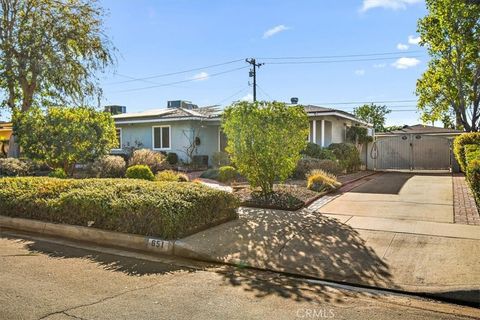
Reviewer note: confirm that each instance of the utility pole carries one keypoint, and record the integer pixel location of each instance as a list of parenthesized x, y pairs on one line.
[(253, 74)]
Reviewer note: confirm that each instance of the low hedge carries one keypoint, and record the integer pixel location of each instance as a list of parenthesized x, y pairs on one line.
[(472, 158), (167, 210), (459, 147)]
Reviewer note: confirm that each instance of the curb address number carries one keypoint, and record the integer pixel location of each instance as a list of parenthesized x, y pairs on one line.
[(156, 243)]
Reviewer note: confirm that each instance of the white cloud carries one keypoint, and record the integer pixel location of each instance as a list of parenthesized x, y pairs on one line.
[(200, 76), (405, 63), (360, 72), (387, 4), (379, 65), (402, 46), (274, 31), (248, 97), (414, 40)]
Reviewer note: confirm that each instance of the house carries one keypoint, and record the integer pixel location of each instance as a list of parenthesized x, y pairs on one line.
[(415, 147), (182, 125), (5, 133)]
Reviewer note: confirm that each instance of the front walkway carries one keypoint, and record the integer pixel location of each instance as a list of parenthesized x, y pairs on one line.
[(465, 209)]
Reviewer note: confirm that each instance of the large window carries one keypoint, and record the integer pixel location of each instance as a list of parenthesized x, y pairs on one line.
[(161, 137), (119, 138)]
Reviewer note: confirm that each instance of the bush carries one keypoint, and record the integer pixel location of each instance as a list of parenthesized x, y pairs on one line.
[(220, 159), (166, 210), (58, 173), (109, 167), (210, 174), (458, 147), (154, 160), (307, 164), (172, 158), (12, 167), (227, 174), (313, 150), (172, 176), (472, 152), (347, 155), (319, 180), (140, 172), (473, 177)]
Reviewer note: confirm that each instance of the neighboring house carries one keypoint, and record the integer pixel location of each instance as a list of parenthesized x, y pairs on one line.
[(416, 147), (5, 133), (182, 124)]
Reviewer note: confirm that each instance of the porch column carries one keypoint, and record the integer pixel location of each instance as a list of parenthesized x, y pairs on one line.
[(314, 133), (323, 133)]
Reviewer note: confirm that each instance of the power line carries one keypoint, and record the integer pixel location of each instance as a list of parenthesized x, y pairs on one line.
[(338, 61), (340, 56), (264, 92), (365, 102), (181, 81), (132, 79), (233, 95)]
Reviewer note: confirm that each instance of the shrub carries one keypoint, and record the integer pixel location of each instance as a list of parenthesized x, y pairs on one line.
[(458, 147), (473, 177), (172, 158), (227, 174), (154, 160), (140, 172), (220, 159), (58, 173), (319, 180), (109, 167), (313, 150), (166, 210), (264, 140), (210, 174), (347, 155), (12, 167), (172, 176), (307, 164), (472, 152)]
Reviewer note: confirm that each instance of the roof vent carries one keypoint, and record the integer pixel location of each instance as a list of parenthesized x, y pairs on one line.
[(294, 100), (181, 104)]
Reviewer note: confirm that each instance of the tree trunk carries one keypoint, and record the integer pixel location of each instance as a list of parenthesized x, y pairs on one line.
[(13, 147)]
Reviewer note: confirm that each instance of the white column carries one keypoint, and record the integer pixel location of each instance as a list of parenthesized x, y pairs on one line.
[(314, 133), (323, 133)]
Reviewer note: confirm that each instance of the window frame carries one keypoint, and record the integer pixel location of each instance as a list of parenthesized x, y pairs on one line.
[(121, 139), (161, 138)]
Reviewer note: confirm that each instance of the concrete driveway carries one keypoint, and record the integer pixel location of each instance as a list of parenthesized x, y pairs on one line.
[(425, 197)]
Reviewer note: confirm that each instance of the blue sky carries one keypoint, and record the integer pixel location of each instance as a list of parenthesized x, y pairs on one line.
[(165, 36)]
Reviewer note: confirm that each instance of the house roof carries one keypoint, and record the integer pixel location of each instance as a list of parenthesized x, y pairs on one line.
[(213, 113), (421, 129)]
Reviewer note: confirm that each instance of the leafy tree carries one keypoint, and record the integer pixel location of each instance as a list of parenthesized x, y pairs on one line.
[(451, 32), (50, 51), (374, 114), (264, 140), (64, 136)]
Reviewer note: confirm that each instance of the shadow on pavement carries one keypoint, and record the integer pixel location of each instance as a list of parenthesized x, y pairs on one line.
[(390, 183)]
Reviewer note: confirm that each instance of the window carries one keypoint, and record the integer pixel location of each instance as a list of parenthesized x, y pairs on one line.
[(161, 137), (119, 138)]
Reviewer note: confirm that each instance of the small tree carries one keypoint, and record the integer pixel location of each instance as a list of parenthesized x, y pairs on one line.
[(374, 114), (264, 140), (63, 137), (358, 136)]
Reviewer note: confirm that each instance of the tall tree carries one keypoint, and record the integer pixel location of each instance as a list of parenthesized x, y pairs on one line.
[(374, 114), (451, 32), (50, 51)]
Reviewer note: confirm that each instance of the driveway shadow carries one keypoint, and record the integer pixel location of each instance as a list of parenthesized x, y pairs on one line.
[(300, 242), (390, 183)]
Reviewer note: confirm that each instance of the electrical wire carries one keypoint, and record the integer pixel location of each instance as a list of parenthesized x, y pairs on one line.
[(339, 56), (338, 61)]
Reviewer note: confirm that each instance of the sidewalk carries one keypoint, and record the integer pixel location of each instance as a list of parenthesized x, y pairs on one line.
[(409, 255)]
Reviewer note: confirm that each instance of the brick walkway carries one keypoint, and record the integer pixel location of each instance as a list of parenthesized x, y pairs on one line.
[(465, 209)]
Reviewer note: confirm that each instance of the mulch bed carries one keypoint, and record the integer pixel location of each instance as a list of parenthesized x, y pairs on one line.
[(285, 197)]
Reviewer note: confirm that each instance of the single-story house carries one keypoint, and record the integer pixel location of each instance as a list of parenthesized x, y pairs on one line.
[(181, 123), (415, 147)]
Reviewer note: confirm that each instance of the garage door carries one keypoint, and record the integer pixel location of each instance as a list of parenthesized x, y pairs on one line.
[(412, 152)]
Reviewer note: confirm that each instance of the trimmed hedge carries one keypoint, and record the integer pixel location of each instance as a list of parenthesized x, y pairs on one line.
[(140, 171), (472, 158), (459, 147), (162, 209)]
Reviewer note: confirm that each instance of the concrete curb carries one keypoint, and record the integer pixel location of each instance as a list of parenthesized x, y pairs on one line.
[(102, 237)]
